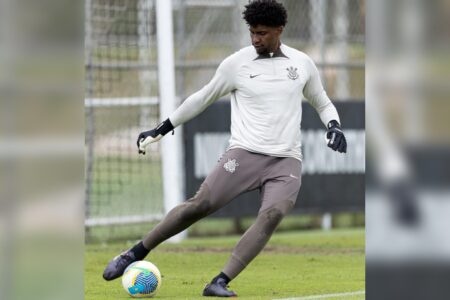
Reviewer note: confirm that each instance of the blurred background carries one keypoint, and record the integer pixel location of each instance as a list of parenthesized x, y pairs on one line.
[(407, 182), (123, 98), (41, 149)]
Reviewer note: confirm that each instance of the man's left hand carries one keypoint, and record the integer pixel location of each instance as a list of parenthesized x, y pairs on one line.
[(335, 137)]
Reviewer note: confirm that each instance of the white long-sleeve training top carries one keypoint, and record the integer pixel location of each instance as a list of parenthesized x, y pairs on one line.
[(266, 93)]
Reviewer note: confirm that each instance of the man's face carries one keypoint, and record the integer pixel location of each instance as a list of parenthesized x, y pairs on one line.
[(265, 39)]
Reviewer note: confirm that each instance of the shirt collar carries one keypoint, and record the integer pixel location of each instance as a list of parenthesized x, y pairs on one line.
[(277, 53)]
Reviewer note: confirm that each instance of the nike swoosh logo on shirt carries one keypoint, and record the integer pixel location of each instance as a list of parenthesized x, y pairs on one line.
[(290, 175), (253, 76)]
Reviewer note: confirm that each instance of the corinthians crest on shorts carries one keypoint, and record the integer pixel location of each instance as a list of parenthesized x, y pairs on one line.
[(230, 165), (292, 73)]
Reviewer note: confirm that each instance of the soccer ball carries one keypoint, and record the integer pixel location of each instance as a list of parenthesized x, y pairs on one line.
[(141, 279)]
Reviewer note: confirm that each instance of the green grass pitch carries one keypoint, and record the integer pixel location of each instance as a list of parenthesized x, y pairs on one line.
[(293, 264)]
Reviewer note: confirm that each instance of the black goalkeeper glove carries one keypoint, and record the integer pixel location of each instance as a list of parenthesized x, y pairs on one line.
[(335, 137), (147, 137)]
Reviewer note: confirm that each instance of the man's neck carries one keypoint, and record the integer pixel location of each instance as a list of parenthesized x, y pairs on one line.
[(276, 53), (278, 45)]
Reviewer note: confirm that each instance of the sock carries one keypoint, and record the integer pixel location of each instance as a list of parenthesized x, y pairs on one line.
[(140, 252), (221, 275)]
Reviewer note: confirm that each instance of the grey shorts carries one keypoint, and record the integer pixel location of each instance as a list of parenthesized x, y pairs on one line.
[(239, 171)]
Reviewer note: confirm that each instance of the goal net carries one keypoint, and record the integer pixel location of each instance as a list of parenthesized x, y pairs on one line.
[(121, 187)]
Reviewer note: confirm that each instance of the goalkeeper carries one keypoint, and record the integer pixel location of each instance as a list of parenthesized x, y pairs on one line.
[(267, 81)]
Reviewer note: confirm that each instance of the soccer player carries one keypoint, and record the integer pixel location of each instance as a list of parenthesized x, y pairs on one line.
[(266, 82)]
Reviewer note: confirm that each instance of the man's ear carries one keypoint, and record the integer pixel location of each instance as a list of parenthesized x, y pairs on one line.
[(280, 29)]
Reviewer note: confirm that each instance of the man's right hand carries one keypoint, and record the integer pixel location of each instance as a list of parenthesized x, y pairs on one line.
[(151, 136), (145, 138)]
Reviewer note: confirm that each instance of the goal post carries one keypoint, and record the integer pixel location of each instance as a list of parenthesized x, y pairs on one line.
[(130, 87), (172, 158)]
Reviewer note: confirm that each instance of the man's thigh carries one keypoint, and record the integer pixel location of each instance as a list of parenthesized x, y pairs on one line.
[(237, 171), (282, 183)]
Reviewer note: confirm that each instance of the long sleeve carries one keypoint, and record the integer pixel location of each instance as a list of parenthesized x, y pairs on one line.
[(221, 84), (318, 98)]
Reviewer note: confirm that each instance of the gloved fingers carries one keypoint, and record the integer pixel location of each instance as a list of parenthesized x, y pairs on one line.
[(328, 135), (140, 137), (337, 142), (331, 139), (342, 145), (143, 143), (141, 148)]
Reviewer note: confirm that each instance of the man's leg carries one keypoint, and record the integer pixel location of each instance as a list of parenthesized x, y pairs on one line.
[(224, 183), (177, 220), (256, 237), (182, 216), (278, 194), (233, 175), (251, 243)]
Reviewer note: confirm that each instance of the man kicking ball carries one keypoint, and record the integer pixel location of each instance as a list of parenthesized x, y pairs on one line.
[(267, 81)]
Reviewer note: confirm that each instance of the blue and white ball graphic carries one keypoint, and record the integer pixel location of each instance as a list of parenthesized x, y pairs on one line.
[(141, 279)]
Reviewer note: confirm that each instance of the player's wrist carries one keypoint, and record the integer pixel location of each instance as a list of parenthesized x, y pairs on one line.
[(333, 124), (164, 127)]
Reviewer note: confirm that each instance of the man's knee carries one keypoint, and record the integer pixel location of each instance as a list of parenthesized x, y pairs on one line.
[(273, 215)]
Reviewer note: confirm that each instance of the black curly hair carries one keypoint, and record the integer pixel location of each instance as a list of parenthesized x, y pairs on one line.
[(265, 12)]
